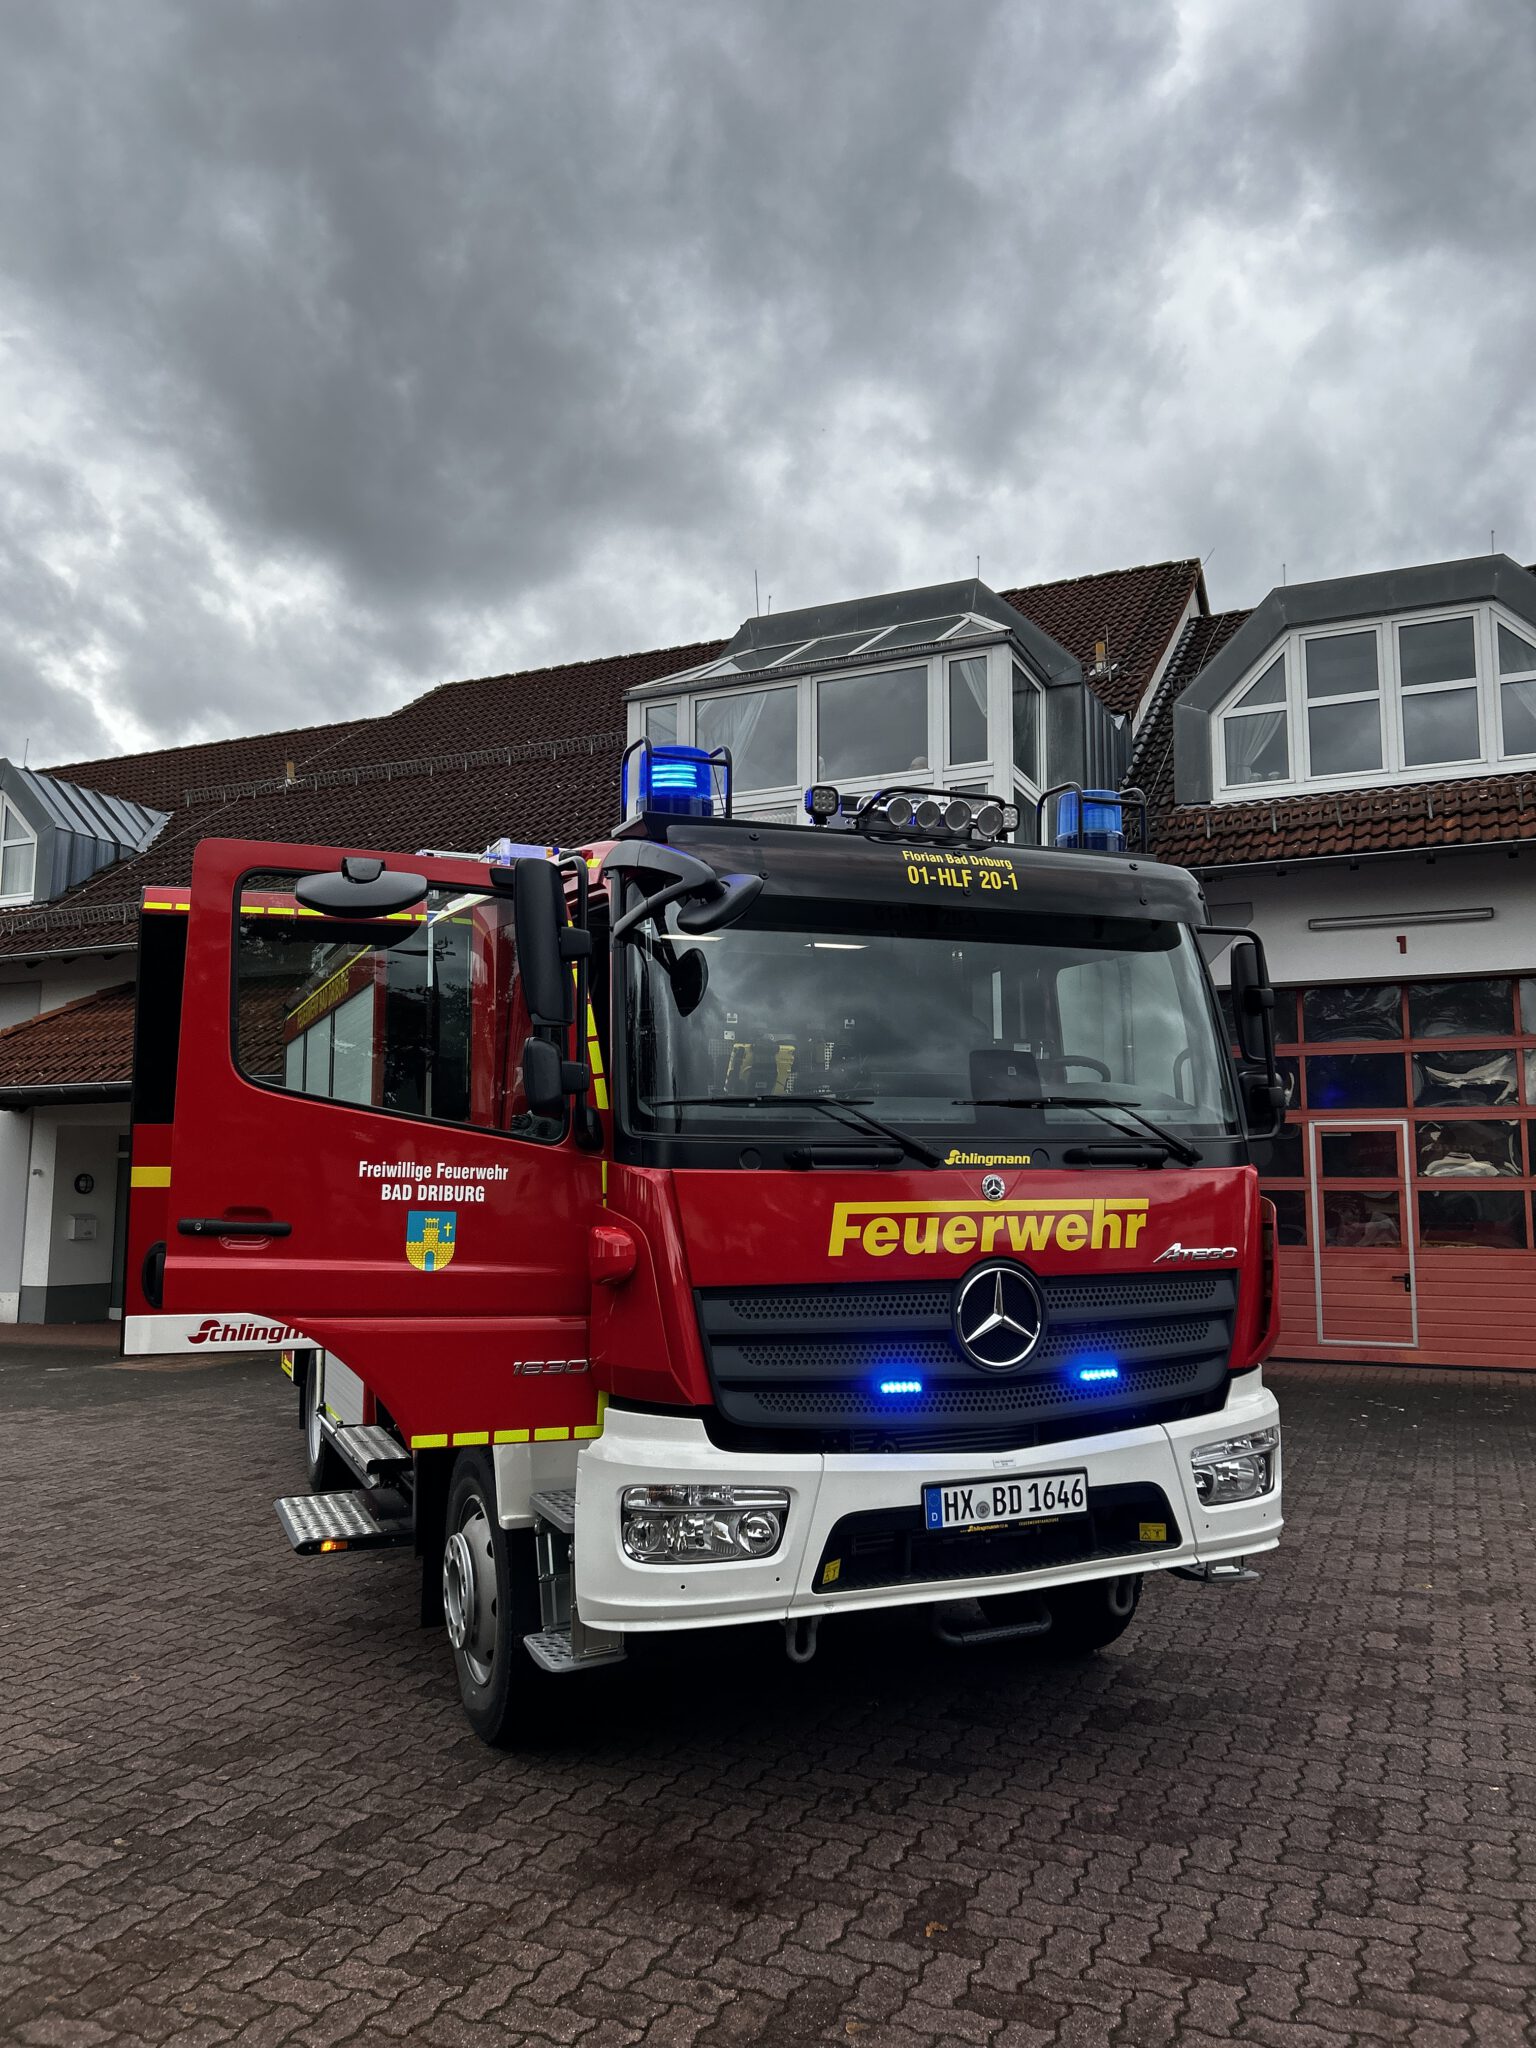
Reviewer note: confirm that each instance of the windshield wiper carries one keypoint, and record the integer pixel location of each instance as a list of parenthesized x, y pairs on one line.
[(1176, 1148), (913, 1147)]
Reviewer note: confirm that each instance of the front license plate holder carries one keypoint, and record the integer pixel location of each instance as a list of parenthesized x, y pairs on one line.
[(1004, 1503)]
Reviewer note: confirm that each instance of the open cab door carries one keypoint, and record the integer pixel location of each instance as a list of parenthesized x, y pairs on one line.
[(353, 1163)]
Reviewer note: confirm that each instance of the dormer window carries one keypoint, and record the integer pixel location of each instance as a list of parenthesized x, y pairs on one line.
[(1396, 699), (18, 855)]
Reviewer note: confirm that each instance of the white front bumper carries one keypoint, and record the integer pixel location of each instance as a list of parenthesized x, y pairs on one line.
[(612, 1591)]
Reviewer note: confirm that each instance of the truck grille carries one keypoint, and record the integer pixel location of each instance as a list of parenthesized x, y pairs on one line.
[(799, 1366)]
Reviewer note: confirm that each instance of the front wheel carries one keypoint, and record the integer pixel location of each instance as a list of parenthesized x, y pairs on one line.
[(1087, 1617), (490, 1602)]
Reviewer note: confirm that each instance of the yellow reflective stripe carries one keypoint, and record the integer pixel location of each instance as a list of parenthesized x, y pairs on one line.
[(605, 1180), (429, 1443), (149, 1177), (471, 1436), (285, 1360), (591, 1429), (511, 1436), (549, 1436)]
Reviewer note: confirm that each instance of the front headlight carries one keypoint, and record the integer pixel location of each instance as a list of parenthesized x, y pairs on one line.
[(1237, 1468), (701, 1524)]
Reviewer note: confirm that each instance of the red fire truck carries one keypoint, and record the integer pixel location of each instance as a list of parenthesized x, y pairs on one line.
[(728, 1222)]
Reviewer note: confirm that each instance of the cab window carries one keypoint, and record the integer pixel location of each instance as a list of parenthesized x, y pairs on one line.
[(419, 1014)]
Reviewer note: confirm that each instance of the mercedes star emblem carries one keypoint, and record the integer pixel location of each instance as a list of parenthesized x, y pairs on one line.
[(993, 1186), (998, 1317)]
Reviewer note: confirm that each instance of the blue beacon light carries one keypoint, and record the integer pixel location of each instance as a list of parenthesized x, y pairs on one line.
[(1095, 820), (901, 1386), (679, 780), (1090, 1373)]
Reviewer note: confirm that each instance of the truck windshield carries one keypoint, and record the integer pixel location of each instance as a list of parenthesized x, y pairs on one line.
[(932, 1020)]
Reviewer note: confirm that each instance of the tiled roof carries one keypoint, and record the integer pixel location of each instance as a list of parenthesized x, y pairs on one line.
[(1483, 809), (88, 1041), (1136, 612), (534, 755), (164, 778)]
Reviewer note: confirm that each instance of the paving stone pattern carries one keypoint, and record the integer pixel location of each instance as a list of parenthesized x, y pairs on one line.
[(238, 1803)]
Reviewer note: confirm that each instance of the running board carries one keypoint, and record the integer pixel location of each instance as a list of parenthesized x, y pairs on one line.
[(371, 1453), (949, 1618), (319, 1523), (550, 1649), (1231, 1571)]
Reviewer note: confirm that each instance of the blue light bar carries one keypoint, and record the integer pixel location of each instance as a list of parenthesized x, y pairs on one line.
[(1098, 1372), (678, 780), (1098, 822), (901, 1386)]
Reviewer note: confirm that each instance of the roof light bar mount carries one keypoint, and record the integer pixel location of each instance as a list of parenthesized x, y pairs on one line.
[(902, 810)]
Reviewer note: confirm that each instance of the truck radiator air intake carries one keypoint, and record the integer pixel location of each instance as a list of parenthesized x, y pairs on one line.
[(804, 1366)]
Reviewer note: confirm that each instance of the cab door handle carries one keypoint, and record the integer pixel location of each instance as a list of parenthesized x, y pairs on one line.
[(229, 1226), (1406, 1278)]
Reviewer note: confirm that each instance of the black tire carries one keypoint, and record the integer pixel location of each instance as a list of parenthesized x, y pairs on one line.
[(1085, 1618), (491, 1601), (326, 1472)]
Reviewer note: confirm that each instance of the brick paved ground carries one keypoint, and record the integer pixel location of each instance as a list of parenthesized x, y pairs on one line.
[(238, 1804)]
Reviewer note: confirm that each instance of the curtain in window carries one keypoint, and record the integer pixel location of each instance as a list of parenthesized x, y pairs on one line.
[(1252, 752)]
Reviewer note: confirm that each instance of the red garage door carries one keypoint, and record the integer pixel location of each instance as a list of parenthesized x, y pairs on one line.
[(1403, 1180)]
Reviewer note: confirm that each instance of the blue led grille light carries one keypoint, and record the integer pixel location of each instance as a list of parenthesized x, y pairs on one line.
[(1098, 823), (1098, 1372), (901, 1386)]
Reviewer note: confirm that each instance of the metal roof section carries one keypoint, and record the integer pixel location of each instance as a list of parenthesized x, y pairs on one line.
[(865, 629), (1330, 603), (78, 830)]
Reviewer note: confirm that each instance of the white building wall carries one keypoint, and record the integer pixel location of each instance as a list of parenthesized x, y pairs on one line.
[(1281, 907)]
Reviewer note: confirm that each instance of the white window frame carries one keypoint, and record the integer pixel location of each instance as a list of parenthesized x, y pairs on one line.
[(749, 686), (15, 831), (1395, 768)]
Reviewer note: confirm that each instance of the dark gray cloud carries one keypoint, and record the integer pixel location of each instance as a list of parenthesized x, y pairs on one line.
[(346, 347)]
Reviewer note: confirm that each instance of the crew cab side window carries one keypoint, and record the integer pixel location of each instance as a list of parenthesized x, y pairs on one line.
[(420, 1014)]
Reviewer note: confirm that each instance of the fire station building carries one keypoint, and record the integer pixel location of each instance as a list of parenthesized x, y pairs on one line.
[(1351, 767)]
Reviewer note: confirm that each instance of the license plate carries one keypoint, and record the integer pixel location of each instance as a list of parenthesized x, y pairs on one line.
[(985, 1503)]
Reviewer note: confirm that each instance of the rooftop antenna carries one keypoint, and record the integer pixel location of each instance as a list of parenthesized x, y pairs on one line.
[(1282, 575), (1491, 548), (25, 745), (770, 604), (757, 602)]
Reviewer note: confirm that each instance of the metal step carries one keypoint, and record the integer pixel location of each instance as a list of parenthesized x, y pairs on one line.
[(550, 1649), (371, 1452), (324, 1522), (557, 1506)]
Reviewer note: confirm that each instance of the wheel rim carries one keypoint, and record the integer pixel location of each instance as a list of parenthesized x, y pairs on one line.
[(312, 1436), (469, 1591)]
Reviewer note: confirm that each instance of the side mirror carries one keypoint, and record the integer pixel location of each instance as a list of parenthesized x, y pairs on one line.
[(1253, 1004), (546, 944), (364, 887), (548, 1079), (1263, 1104)]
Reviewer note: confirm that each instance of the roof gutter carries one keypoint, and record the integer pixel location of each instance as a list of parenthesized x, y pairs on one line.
[(42, 1094)]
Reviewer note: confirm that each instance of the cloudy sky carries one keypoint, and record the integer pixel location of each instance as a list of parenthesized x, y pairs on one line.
[(347, 345)]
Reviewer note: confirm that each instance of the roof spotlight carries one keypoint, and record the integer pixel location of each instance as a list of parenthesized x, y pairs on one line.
[(958, 815), (989, 820), (901, 812), (928, 814)]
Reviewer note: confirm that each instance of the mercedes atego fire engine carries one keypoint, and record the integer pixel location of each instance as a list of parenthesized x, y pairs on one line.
[(728, 1222)]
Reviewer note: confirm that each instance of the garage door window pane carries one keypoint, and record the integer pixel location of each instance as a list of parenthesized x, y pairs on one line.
[(1362, 1219), (1440, 725), (1459, 1217), (1364, 1080), (1468, 1149), (759, 728), (1463, 1080), (1285, 1016), (1290, 1214), (1359, 1155), (1345, 738), (872, 725), (1527, 1006), (1366, 1010), (1459, 1009)]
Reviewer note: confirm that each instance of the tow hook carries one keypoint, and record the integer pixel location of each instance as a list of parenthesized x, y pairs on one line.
[(800, 1638), (1229, 1571)]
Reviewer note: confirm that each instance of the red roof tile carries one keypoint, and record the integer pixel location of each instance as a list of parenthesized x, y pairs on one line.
[(89, 1041), (1135, 612), (1486, 810)]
